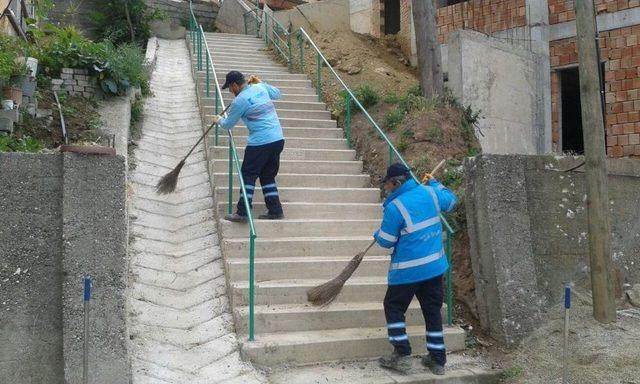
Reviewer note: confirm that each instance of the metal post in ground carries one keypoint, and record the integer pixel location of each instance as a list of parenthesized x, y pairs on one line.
[(85, 350), (565, 353)]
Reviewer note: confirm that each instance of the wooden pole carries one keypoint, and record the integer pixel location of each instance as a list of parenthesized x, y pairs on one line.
[(599, 220), (428, 48)]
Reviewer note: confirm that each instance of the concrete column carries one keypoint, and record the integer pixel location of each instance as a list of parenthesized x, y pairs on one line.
[(501, 246), (94, 232), (538, 22)]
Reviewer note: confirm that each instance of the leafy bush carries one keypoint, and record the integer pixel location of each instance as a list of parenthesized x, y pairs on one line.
[(11, 49), (117, 67), (124, 21), (24, 144), (367, 96), (392, 98), (435, 135), (393, 119)]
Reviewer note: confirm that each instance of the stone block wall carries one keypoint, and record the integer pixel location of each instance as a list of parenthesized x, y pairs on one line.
[(75, 82), (527, 222), (178, 11)]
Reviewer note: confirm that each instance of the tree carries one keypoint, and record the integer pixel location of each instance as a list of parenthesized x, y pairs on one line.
[(429, 58)]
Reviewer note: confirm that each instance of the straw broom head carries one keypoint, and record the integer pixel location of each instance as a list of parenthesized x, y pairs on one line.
[(169, 181), (325, 293)]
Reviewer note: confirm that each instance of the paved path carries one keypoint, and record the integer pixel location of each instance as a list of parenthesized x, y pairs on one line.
[(179, 317)]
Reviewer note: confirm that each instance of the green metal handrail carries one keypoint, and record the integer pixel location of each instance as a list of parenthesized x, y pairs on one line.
[(196, 30), (282, 45), (394, 154)]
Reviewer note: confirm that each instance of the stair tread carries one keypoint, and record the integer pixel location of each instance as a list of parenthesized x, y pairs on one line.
[(308, 308), (332, 335), (363, 280), (306, 259)]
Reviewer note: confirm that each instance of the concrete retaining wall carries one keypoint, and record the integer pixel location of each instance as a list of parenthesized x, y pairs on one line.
[(230, 17), (178, 11), (328, 15), (503, 82), (528, 231), (63, 216)]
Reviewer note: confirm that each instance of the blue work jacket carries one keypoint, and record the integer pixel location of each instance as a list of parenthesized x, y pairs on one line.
[(411, 226), (254, 106)]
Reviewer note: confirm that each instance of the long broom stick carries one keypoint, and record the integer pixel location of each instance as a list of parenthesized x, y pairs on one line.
[(168, 182), (325, 293)]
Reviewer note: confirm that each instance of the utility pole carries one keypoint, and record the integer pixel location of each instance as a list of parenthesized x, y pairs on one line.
[(599, 220), (429, 58)]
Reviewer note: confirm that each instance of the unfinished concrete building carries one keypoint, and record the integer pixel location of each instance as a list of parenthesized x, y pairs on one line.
[(542, 33)]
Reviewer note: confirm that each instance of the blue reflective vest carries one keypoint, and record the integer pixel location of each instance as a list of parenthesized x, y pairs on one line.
[(411, 226)]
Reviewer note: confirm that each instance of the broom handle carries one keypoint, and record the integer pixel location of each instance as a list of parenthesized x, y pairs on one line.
[(369, 247), (437, 168), (204, 135)]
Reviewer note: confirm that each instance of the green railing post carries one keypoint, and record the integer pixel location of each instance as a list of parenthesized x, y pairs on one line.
[(252, 275), (290, 57), (347, 119), (217, 140), (207, 75), (257, 25), (246, 32), (193, 36), (301, 42), (319, 75), (391, 155), (266, 33), (230, 208), (199, 52), (449, 281)]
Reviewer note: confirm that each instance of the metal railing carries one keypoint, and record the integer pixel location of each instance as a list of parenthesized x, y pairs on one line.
[(350, 99), (274, 33), (200, 48)]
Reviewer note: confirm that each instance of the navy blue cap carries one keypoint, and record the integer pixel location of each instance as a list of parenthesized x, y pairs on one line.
[(233, 77), (396, 170)]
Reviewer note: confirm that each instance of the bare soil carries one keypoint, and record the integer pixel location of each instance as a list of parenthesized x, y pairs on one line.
[(81, 117)]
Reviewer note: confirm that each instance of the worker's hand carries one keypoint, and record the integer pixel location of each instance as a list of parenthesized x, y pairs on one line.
[(216, 119), (426, 178)]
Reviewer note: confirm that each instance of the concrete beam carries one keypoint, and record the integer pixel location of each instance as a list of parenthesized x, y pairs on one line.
[(605, 22)]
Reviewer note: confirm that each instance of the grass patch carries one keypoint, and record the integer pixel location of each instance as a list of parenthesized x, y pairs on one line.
[(393, 119)]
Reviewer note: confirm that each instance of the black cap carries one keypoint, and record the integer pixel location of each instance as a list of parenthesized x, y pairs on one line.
[(396, 170), (233, 77)]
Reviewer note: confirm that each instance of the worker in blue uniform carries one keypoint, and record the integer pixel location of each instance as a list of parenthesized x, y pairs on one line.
[(253, 104), (411, 226)]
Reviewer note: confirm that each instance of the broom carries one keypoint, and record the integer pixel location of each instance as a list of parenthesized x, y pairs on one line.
[(324, 294), (168, 182)]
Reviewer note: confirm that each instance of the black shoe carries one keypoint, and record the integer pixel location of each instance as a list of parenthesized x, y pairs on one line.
[(434, 367), (236, 218), (396, 362), (269, 216)]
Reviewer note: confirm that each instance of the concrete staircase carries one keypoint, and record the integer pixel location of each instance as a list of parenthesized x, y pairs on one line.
[(331, 212)]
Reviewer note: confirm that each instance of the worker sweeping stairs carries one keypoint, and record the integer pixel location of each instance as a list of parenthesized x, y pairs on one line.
[(331, 213)]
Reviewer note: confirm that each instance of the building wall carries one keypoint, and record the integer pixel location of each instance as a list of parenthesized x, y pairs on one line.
[(562, 10), (486, 16), (620, 51)]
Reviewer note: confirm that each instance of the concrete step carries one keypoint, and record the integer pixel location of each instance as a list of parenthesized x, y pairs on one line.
[(461, 369), (266, 76), (310, 195), (290, 122), (332, 345), (335, 211), (276, 82), (298, 114), (300, 166), (296, 154), (293, 142), (300, 227), (221, 179), (324, 267), (319, 133), (207, 105), (285, 90), (302, 246), (294, 291), (284, 97), (300, 318), (234, 43)]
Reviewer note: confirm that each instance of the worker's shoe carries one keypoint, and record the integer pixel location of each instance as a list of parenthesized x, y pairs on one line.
[(270, 216), (236, 218), (396, 362), (434, 367)]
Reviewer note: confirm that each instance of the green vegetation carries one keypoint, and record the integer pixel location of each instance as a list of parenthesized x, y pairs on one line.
[(511, 373), (23, 144), (392, 119), (124, 21)]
